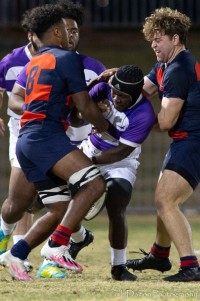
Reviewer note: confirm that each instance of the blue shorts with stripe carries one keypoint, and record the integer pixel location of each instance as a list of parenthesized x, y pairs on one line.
[(38, 153), (183, 158)]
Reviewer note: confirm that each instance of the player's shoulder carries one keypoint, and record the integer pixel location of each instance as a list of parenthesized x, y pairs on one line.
[(90, 61), (61, 53), (143, 105), (16, 52), (13, 57)]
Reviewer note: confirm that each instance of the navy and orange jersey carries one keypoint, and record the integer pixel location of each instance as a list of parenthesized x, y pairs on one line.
[(53, 75), (181, 79)]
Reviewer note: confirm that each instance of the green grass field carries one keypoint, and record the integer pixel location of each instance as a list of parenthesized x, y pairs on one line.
[(95, 282)]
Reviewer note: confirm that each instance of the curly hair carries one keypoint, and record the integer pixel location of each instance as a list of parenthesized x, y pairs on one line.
[(72, 10), (167, 21), (39, 19)]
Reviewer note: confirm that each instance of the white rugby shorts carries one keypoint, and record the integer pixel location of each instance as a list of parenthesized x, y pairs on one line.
[(125, 169)]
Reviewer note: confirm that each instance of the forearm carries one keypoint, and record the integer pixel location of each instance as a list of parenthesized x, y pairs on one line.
[(75, 118), (15, 103), (90, 111), (16, 99), (111, 155), (1, 97), (103, 77)]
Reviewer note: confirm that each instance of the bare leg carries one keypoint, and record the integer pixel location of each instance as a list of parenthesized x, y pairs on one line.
[(20, 196), (117, 199), (46, 224), (22, 226), (172, 191), (162, 237)]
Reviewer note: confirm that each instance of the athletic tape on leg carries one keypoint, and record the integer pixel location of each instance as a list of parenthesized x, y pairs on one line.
[(83, 176), (55, 195)]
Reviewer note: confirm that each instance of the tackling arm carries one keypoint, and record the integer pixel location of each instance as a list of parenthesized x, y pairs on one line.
[(89, 110), (16, 99), (113, 154), (169, 113), (149, 89)]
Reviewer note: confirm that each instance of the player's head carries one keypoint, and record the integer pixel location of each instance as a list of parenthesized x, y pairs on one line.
[(126, 86), (169, 22), (73, 13), (48, 24)]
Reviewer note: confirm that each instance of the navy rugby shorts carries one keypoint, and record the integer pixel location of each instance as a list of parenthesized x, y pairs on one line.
[(37, 154), (183, 157)]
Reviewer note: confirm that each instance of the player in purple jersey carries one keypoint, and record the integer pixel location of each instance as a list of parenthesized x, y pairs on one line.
[(55, 79), (132, 117), (92, 68), (176, 78), (10, 67)]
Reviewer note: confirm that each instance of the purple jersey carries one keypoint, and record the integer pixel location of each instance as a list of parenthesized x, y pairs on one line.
[(130, 127), (10, 67), (181, 79)]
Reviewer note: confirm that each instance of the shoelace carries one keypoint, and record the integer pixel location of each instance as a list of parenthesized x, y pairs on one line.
[(142, 251)]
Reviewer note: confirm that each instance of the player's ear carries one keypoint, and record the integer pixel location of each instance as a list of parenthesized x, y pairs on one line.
[(176, 39), (57, 32), (30, 34)]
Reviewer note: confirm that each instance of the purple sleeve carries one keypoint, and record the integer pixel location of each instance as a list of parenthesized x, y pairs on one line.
[(2, 72), (21, 80), (10, 67), (100, 91), (141, 122)]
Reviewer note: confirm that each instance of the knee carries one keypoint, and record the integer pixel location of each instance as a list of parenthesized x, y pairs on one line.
[(99, 185), (10, 212), (163, 203)]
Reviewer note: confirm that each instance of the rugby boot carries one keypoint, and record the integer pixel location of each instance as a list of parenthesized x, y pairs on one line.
[(75, 248), (184, 275), (61, 256), (50, 270), (149, 262), (14, 266), (120, 273), (4, 239)]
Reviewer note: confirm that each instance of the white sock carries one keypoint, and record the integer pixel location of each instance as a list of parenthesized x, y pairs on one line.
[(79, 235), (118, 256), (7, 228), (17, 237)]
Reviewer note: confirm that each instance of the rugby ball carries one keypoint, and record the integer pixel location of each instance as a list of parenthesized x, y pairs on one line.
[(96, 208)]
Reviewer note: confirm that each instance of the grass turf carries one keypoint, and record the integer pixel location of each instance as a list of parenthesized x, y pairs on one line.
[(95, 282)]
